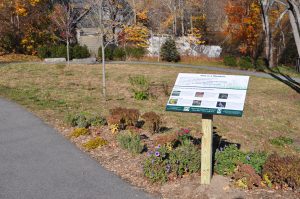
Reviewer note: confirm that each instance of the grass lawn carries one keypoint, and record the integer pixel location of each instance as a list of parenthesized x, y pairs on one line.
[(272, 109)]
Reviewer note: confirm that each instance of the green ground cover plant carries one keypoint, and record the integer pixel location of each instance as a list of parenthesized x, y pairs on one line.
[(84, 120), (140, 87), (229, 157), (281, 141)]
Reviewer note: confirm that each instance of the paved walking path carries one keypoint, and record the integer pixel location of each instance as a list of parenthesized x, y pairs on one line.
[(38, 163)]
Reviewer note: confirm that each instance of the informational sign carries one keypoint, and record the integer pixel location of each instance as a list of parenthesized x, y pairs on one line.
[(209, 94)]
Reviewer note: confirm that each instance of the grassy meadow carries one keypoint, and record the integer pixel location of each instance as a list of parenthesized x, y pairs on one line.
[(272, 109)]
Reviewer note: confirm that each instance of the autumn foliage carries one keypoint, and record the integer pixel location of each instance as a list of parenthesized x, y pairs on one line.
[(23, 25), (136, 35), (244, 25)]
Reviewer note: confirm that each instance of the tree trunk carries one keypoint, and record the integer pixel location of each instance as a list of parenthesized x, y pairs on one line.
[(267, 32), (158, 59), (182, 24), (175, 20), (182, 17), (103, 67), (134, 12), (175, 25), (295, 30), (68, 51), (102, 49)]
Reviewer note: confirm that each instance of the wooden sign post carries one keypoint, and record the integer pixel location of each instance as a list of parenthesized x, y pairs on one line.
[(209, 94), (206, 148)]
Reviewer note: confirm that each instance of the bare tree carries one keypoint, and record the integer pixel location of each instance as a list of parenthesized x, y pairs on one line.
[(265, 8), (172, 6), (292, 8), (65, 17), (107, 16)]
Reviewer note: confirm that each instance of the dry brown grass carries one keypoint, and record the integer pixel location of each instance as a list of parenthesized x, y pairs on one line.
[(272, 108), (17, 58)]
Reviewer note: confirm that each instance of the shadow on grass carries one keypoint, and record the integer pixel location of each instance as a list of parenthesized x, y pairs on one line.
[(286, 79)]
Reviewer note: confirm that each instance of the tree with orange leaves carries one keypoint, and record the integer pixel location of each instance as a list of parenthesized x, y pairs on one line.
[(244, 26)]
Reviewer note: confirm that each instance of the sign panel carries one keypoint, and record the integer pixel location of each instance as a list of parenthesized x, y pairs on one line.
[(209, 94)]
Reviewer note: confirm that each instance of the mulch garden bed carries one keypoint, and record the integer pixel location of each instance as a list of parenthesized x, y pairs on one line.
[(129, 168)]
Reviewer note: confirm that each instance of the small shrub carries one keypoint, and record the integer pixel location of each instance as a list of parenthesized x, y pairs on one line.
[(135, 52), (131, 116), (124, 117), (59, 51), (152, 122), (43, 52), (131, 142), (184, 136), (84, 120), (108, 51), (256, 160), (283, 170), (80, 52), (245, 63), (140, 87), (260, 65), (169, 51), (228, 159), (166, 139), (246, 177), (157, 165), (119, 53), (95, 143), (79, 131), (164, 160), (281, 141), (9, 42), (78, 120), (97, 121), (230, 61), (185, 159)]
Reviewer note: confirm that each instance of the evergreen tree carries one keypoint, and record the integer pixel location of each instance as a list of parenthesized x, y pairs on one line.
[(169, 51)]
